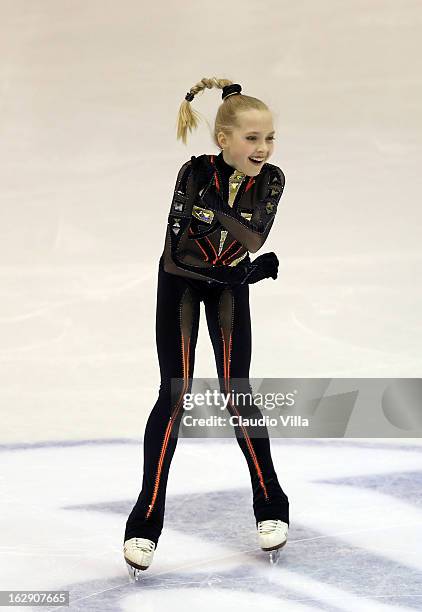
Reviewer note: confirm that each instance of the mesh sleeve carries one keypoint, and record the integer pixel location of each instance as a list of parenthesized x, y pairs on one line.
[(252, 234), (177, 258)]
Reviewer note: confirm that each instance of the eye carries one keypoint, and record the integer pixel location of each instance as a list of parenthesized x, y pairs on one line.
[(254, 138)]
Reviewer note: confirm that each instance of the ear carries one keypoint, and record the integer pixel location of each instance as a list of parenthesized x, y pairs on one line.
[(221, 139)]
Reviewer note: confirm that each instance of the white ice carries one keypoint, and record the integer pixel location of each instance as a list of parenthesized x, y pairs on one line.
[(355, 541)]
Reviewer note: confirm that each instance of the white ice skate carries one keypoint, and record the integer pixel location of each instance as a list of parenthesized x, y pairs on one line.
[(272, 536), (138, 553)]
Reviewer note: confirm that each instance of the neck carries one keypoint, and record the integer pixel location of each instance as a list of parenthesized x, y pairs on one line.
[(226, 166)]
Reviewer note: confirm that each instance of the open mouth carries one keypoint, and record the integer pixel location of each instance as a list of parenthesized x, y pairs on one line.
[(256, 162)]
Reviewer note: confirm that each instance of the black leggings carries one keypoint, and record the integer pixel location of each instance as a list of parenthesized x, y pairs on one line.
[(229, 325)]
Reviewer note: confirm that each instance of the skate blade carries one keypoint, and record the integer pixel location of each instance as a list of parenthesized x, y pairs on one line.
[(274, 553), (274, 556), (135, 574)]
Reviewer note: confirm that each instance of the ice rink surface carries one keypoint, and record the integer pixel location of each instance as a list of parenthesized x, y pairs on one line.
[(88, 161), (355, 539)]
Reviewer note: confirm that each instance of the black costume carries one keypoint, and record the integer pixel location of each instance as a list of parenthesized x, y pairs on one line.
[(217, 215)]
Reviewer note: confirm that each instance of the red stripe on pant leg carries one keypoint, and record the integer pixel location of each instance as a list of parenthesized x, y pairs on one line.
[(245, 433), (185, 360)]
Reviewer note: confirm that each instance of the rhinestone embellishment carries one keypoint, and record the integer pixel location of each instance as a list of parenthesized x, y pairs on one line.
[(176, 226), (235, 180), (203, 214), (223, 237)]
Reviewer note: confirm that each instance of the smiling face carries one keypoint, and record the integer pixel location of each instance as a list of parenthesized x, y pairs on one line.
[(253, 138)]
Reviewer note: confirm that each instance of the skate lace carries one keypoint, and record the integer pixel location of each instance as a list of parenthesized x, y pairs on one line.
[(147, 546), (267, 526)]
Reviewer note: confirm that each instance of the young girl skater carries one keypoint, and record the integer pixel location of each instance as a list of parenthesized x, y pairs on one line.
[(223, 207)]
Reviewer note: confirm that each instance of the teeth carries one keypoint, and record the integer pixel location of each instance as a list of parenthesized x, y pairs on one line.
[(258, 160)]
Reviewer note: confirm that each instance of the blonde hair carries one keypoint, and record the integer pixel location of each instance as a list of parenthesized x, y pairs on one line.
[(227, 114)]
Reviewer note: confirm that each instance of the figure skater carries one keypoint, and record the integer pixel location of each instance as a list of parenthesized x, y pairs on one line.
[(223, 207)]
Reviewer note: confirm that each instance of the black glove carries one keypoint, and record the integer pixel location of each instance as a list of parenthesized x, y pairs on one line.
[(264, 266)]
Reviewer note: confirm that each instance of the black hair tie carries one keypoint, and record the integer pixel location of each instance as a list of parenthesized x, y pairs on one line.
[(229, 90)]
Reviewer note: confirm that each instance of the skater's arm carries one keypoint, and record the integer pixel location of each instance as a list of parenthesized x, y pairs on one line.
[(252, 234), (177, 258)]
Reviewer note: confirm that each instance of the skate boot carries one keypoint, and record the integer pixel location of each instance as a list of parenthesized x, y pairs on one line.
[(272, 536), (138, 553)]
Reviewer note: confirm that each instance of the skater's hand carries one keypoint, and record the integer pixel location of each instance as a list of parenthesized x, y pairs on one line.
[(264, 266)]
